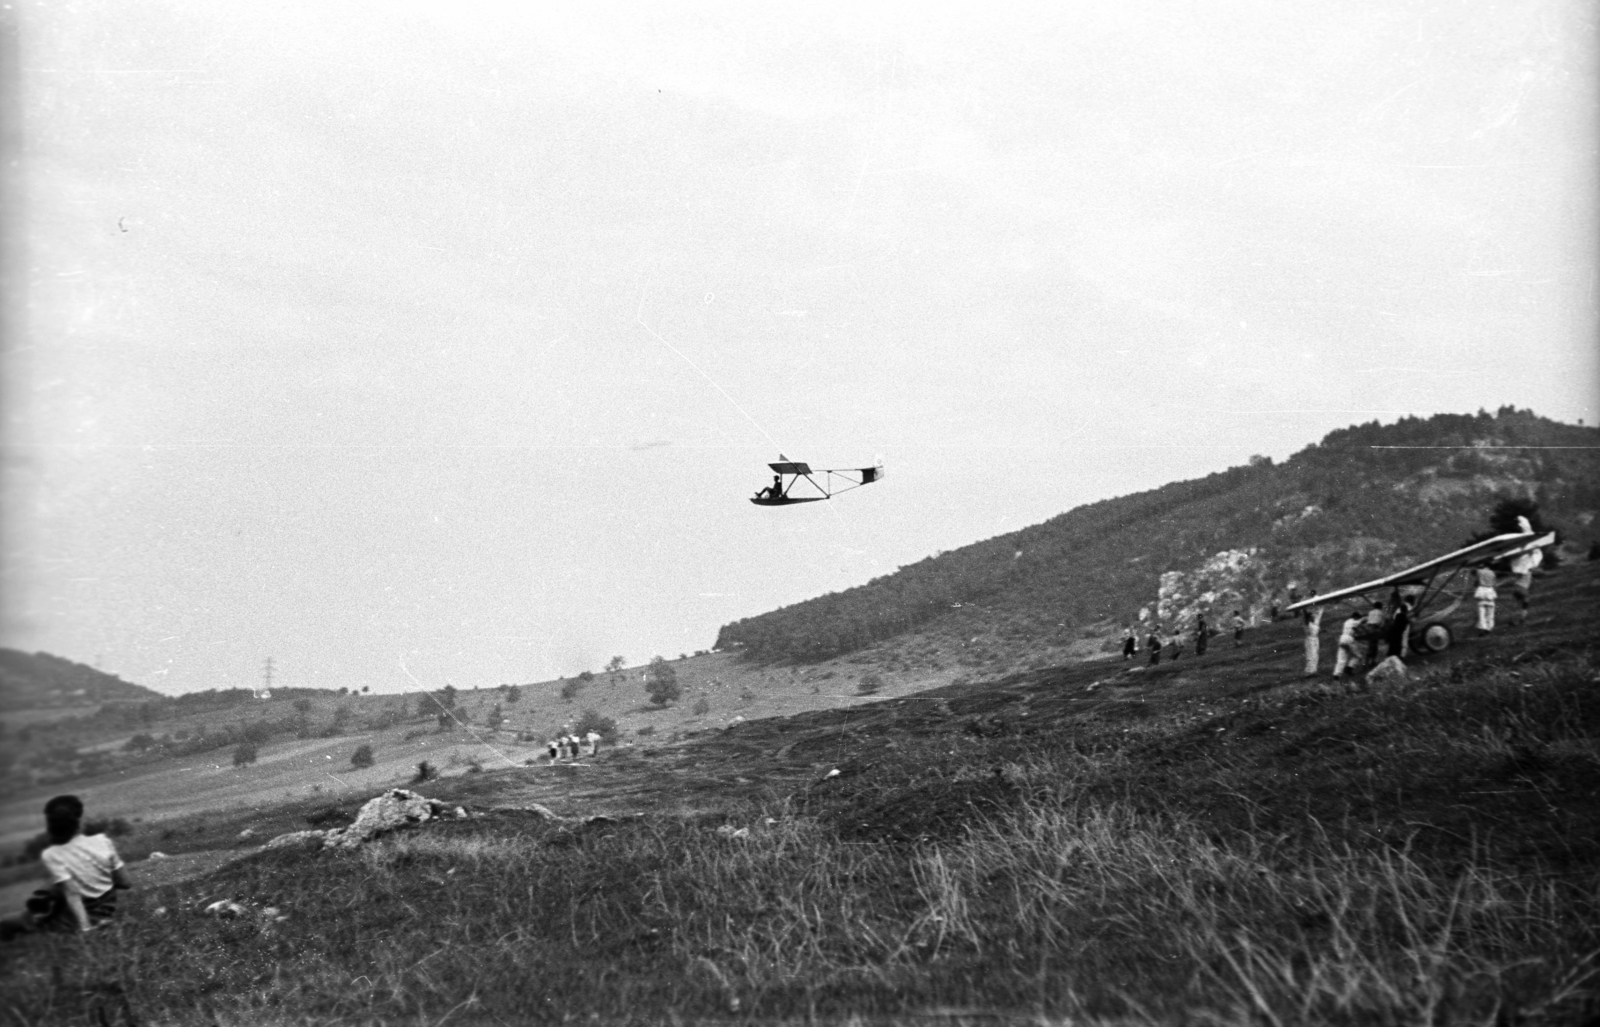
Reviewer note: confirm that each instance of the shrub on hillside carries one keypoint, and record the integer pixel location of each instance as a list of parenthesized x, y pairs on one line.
[(870, 684), (702, 706), (591, 720), (662, 682), (362, 757), (243, 753), (425, 772), (570, 689)]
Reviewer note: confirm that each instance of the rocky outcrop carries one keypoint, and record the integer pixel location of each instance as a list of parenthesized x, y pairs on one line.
[(1231, 580), (394, 809), (398, 809), (391, 811)]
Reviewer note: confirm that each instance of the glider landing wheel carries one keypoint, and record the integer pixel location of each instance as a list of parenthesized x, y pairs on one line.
[(1434, 637)]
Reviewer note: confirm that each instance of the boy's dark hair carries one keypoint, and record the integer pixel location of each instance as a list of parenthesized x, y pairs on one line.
[(62, 816)]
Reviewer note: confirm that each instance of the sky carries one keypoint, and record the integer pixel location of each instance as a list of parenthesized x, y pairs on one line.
[(411, 343)]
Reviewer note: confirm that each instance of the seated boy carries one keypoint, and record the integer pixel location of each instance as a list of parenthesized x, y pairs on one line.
[(85, 873)]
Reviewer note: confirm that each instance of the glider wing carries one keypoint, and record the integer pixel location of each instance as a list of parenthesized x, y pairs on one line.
[(1487, 551)]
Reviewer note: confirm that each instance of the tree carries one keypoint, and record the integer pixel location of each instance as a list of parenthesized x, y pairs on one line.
[(244, 752), (1503, 518), (570, 689), (591, 720), (661, 681), (444, 701), (614, 668), (495, 718), (513, 694), (362, 757)]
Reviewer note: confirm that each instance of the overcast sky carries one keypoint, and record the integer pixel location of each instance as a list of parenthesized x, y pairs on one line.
[(408, 342)]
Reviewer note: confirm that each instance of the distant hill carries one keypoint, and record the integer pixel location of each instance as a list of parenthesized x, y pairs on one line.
[(1365, 500), (39, 680)]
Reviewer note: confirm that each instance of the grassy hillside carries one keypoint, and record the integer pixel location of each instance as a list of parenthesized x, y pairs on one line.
[(1216, 840), (38, 680), (1363, 501)]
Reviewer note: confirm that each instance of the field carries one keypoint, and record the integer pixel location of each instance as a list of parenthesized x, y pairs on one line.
[(1215, 840), (717, 687)]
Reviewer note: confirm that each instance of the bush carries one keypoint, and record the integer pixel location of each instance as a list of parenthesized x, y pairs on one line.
[(648, 729), (571, 688), (605, 727), (869, 684), (244, 752), (425, 772), (662, 683), (702, 706), (362, 757)]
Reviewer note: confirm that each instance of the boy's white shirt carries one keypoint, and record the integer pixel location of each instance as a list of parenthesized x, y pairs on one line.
[(84, 864)]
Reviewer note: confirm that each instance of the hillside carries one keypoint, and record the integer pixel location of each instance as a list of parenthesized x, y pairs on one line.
[(1214, 840), (39, 680), (1364, 500)]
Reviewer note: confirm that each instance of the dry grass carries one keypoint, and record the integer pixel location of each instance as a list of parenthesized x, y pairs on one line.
[(1097, 873)]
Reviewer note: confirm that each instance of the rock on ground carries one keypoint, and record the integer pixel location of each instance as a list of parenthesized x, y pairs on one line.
[(1389, 670), (393, 809)]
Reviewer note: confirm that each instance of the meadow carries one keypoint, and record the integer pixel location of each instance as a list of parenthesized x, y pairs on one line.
[(1214, 840)]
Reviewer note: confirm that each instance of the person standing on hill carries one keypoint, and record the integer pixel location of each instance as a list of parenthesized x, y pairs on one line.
[(1311, 621), (1201, 631), (85, 874), (1238, 629), (1399, 625), (1349, 657), (1153, 643), (1485, 595), (1376, 627), (1130, 644), (1522, 585)]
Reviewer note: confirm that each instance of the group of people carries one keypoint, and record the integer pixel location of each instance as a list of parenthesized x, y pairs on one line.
[(1364, 633), (85, 875), (570, 747), (1203, 632)]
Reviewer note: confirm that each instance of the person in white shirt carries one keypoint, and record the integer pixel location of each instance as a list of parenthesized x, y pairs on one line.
[(85, 874), (593, 738), (1349, 654), (1311, 620), (1522, 581), (1485, 595)]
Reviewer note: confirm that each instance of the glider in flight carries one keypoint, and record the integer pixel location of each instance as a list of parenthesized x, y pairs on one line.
[(834, 481), (1435, 580)]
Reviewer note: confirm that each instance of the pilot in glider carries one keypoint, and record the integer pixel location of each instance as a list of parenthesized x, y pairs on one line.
[(834, 481), (1437, 579)]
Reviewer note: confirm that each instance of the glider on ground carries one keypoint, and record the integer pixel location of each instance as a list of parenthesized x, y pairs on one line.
[(1436, 579), (834, 481)]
